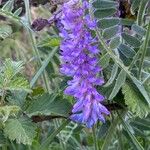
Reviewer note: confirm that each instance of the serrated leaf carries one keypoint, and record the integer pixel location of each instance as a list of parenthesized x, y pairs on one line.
[(49, 104), (119, 83), (5, 31), (17, 98), (135, 101), (10, 78), (22, 130), (11, 68), (18, 84), (6, 111), (131, 40)]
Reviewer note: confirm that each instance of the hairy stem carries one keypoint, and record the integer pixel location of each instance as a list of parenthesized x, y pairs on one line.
[(95, 138), (144, 51)]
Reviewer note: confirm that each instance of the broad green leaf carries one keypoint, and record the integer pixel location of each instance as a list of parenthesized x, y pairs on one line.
[(49, 104), (22, 130), (131, 40), (119, 83), (5, 31), (135, 101)]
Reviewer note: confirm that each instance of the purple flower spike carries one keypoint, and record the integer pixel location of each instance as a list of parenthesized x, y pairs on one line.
[(78, 56)]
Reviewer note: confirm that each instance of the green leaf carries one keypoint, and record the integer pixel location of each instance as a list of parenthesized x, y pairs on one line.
[(43, 67), (135, 101), (18, 84), (22, 130), (139, 30), (115, 42), (49, 104), (105, 4), (7, 111), (10, 78), (141, 88), (113, 75), (119, 83), (134, 6), (132, 41), (108, 22), (110, 32), (104, 60), (110, 133), (132, 138), (11, 68), (49, 42), (17, 98), (102, 13), (126, 51), (5, 31), (18, 11), (127, 22), (8, 6)]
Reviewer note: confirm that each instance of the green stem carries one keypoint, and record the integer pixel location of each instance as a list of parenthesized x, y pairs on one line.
[(4, 147), (95, 138), (48, 140), (141, 12), (144, 50), (33, 42), (42, 68)]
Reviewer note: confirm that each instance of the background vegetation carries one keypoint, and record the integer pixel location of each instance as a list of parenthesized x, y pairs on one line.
[(34, 112)]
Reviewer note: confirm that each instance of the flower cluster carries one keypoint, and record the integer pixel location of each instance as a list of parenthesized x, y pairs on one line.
[(78, 55)]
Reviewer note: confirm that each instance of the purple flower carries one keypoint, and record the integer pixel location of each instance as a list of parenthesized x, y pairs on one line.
[(78, 56)]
